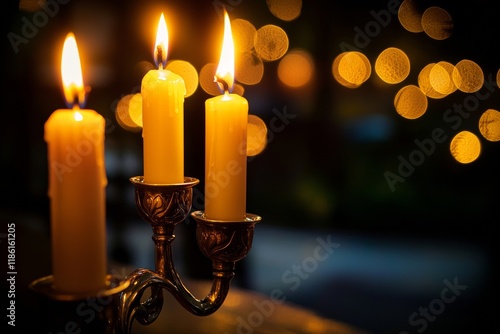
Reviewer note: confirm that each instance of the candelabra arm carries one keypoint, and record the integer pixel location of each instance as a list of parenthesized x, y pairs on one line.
[(223, 273), (212, 301), (131, 307), (148, 311)]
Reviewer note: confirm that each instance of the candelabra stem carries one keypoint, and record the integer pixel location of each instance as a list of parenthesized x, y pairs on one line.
[(163, 236)]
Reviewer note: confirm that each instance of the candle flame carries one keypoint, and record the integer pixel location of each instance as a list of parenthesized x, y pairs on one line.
[(71, 70), (161, 46), (224, 75)]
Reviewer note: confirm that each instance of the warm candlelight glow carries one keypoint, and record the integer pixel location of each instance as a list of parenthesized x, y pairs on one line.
[(226, 142), (77, 182), (71, 70), (161, 45), (163, 93), (224, 75)]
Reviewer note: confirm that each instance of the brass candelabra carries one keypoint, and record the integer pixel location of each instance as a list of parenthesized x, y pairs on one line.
[(163, 206)]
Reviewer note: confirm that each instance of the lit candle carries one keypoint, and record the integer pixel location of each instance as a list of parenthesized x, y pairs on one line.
[(226, 142), (77, 182), (163, 118)]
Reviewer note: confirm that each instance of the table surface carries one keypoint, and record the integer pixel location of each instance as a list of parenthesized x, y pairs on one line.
[(243, 312)]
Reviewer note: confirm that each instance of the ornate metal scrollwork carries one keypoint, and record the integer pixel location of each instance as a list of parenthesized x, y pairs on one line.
[(227, 242)]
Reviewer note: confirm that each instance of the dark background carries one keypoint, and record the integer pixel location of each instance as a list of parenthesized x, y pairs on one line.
[(323, 173)]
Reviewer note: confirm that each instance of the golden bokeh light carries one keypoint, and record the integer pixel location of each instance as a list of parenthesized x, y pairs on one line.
[(143, 67), (122, 114), (337, 73), (238, 89), (437, 23), (465, 147), (249, 68), (410, 102), (392, 65), (489, 125), (410, 16), (498, 78), (440, 78), (188, 72), (135, 109), (256, 135), (424, 82), (468, 76), (286, 10), (243, 35), (354, 67), (271, 42), (296, 68), (207, 82)]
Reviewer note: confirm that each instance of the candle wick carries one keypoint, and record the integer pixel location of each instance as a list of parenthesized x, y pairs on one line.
[(159, 57), (76, 99), (223, 84)]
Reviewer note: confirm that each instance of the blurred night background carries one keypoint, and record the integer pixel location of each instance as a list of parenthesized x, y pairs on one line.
[(321, 175)]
